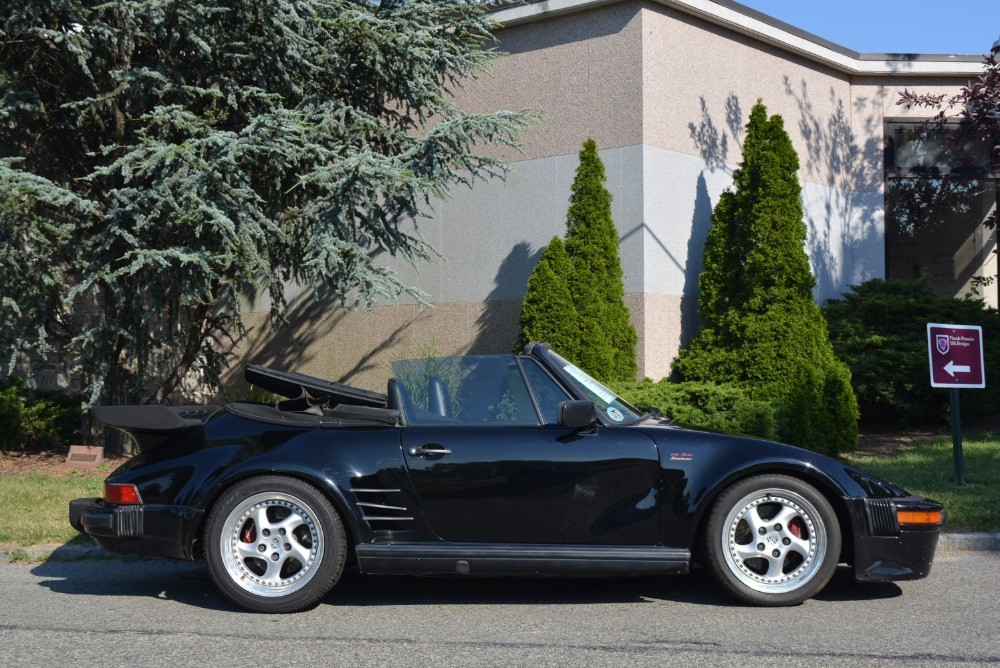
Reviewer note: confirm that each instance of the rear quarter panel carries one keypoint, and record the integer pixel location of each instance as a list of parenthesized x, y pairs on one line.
[(235, 448)]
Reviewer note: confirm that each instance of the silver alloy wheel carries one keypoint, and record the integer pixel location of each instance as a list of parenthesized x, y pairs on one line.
[(271, 544), (774, 540)]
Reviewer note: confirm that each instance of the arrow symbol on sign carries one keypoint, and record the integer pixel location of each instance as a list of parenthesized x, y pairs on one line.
[(953, 368)]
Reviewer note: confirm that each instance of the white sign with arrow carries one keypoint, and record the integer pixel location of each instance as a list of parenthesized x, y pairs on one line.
[(953, 368)]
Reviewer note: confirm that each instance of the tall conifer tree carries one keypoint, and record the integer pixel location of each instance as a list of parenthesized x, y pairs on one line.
[(158, 160), (608, 337), (760, 324), (548, 313)]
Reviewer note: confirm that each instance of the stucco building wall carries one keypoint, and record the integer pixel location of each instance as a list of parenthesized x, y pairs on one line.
[(665, 93)]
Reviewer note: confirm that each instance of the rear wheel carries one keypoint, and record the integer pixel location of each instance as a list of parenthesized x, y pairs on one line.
[(772, 540), (274, 544)]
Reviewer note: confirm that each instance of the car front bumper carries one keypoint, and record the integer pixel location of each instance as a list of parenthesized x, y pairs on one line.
[(146, 530), (886, 551)]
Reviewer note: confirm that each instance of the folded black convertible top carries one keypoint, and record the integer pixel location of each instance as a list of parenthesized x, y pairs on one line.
[(297, 385)]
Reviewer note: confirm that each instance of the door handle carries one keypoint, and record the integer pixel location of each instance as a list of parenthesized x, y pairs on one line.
[(429, 450)]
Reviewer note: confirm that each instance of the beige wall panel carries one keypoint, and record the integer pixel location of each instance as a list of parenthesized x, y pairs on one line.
[(627, 74), (356, 347), (700, 81), (582, 72), (662, 338), (873, 100), (635, 302)]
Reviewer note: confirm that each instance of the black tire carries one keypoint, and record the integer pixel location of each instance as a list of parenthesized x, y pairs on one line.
[(800, 539), (274, 544)]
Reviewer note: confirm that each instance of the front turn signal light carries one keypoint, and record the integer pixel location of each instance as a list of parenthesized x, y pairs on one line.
[(919, 516), (118, 493)]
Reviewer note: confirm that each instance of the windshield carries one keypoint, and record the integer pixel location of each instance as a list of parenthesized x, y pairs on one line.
[(610, 404)]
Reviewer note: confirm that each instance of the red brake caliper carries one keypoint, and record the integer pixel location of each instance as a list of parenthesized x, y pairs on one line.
[(249, 533), (795, 527)]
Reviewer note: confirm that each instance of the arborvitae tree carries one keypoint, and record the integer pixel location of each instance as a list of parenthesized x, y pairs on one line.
[(160, 159), (761, 327), (608, 338), (548, 313)]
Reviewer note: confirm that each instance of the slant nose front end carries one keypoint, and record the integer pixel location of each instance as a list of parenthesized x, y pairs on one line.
[(896, 538)]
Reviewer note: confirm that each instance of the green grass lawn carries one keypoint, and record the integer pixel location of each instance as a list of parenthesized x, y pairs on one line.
[(35, 507), (928, 469)]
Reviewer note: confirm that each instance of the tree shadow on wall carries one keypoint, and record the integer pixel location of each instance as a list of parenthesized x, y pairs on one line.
[(497, 325), (846, 243), (311, 322), (844, 222), (711, 141), (701, 223)]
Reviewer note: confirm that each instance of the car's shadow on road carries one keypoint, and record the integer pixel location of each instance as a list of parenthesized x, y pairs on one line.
[(189, 584), (185, 582), (843, 587), (696, 588)]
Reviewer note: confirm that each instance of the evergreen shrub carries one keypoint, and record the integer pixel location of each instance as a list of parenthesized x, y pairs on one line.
[(35, 421), (880, 330), (718, 407), (761, 328), (548, 313), (608, 338), (575, 297)]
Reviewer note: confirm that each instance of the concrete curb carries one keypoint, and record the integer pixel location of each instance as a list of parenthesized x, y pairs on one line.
[(969, 542), (949, 542)]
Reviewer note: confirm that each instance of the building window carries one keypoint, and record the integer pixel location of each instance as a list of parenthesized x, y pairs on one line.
[(938, 193)]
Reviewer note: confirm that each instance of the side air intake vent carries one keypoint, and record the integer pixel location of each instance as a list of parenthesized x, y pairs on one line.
[(379, 506), (881, 517)]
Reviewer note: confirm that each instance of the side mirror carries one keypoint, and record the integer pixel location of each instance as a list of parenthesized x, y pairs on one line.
[(577, 414)]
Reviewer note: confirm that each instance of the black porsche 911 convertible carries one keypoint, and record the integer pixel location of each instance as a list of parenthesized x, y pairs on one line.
[(488, 465)]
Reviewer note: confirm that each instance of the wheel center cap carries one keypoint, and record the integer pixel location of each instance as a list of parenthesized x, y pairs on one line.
[(772, 539), (275, 542)]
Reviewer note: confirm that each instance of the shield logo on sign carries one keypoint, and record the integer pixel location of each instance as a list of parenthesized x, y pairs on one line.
[(942, 344)]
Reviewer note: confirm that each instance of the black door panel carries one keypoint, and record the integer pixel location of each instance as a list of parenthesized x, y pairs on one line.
[(528, 484)]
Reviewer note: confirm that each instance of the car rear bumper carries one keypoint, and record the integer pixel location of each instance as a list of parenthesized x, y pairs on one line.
[(886, 551), (146, 530)]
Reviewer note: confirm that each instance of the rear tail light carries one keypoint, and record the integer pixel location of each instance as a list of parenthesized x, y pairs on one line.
[(117, 493), (919, 516)]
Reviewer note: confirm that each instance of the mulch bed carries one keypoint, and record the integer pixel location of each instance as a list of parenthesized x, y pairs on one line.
[(887, 444), (52, 463)]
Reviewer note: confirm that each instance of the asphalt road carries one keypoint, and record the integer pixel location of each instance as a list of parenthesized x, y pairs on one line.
[(160, 613)]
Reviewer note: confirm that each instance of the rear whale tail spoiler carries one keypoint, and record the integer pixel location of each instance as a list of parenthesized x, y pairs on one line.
[(153, 426)]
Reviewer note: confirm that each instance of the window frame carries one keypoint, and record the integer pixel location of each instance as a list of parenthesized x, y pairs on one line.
[(538, 408), (889, 173), (892, 123)]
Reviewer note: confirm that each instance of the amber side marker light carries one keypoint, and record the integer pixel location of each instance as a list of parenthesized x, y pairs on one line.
[(118, 493), (919, 516)]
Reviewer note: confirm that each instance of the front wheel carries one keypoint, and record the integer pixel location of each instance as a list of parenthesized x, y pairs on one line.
[(274, 544), (772, 540)]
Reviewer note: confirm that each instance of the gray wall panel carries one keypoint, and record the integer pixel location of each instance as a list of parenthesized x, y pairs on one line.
[(491, 236), (845, 240), (680, 192)]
